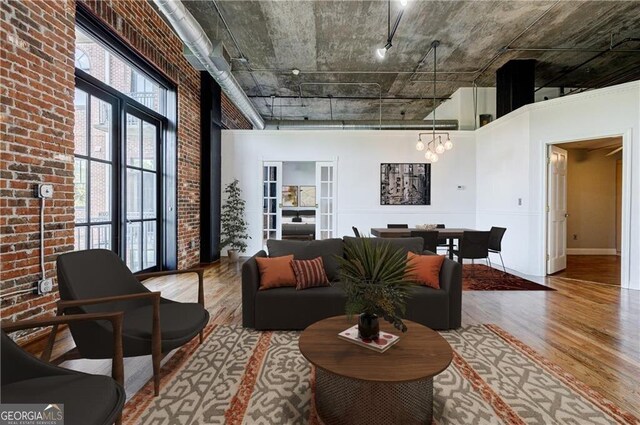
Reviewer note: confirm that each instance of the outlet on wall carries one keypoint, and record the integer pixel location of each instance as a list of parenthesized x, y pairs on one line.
[(45, 286)]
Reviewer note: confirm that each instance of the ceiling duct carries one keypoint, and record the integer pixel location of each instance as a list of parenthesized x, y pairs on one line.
[(360, 125), (195, 39)]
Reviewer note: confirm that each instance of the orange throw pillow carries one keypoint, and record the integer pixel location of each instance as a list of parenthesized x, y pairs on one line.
[(276, 272), (426, 269)]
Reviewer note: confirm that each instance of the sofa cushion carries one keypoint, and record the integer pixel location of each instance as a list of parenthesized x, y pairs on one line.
[(328, 249), (276, 272), (407, 245), (286, 308), (309, 273)]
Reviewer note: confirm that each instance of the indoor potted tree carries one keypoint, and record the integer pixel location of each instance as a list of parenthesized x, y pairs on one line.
[(374, 277), (234, 227)]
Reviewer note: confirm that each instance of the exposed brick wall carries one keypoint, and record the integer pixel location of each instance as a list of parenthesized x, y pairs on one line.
[(36, 77), (37, 128), (232, 118)]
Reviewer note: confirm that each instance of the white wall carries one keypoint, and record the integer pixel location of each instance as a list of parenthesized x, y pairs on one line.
[(511, 164), (358, 155), (460, 106)]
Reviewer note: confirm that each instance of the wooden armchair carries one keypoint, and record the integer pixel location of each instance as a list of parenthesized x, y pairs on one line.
[(95, 281), (88, 399)]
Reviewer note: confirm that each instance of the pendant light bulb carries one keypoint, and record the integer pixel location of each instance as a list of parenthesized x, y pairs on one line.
[(440, 147), (420, 145), (381, 52), (434, 158), (428, 155), (448, 145)]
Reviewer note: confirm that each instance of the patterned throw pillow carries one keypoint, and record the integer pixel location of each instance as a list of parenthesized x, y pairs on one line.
[(309, 273)]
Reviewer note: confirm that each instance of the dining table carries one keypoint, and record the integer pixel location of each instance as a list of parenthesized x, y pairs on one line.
[(451, 234)]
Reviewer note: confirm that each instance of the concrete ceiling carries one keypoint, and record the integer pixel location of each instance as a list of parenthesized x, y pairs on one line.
[(335, 41)]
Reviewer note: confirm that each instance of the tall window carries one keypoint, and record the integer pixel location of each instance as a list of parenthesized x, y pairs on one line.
[(120, 129)]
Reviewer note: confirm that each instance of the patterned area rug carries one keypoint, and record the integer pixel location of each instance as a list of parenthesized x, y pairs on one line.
[(479, 277), (242, 376)]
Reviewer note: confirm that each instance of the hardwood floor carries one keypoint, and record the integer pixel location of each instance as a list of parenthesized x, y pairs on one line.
[(593, 268), (591, 330)]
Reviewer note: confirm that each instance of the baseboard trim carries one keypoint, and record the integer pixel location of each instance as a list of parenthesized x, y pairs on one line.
[(591, 251)]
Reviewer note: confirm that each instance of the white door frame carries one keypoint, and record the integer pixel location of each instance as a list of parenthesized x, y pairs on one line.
[(625, 275), (555, 262)]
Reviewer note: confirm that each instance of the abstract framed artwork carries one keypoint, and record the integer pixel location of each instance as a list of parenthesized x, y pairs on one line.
[(289, 196), (307, 196), (405, 184)]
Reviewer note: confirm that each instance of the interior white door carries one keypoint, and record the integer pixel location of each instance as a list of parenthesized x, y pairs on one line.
[(271, 201), (557, 210), (326, 200)]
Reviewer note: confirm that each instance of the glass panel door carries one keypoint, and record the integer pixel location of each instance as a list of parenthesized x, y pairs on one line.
[(95, 141), (326, 200), (141, 191), (271, 196)]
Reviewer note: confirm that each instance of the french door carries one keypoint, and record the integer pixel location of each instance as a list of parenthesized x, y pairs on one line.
[(271, 196), (325, 200), (141, 182), (95, 169), (117, 176)]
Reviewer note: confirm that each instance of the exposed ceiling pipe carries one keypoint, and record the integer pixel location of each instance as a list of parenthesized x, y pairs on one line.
[(194, 37), (361, 125)]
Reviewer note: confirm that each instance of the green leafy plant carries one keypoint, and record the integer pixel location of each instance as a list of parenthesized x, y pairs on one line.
[(234, 226), (374, 278)]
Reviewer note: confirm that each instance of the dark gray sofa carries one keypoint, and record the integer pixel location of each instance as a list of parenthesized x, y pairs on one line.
[(289, 309)]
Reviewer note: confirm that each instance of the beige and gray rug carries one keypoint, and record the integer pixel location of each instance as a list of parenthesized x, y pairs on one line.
[(241, 376)]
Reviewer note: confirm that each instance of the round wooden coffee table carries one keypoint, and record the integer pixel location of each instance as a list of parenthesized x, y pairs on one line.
[(356, 385)]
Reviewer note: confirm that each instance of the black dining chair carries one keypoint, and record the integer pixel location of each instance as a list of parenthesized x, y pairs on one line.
[(442, 242), (474, 245), (356, 232), (397, 226), (430, 238), (495, 243)]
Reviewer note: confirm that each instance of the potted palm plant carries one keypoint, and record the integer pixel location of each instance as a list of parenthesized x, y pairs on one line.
[(375, 285), (234, 227)]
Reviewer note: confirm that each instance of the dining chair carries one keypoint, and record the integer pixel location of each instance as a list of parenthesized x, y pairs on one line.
[(397, 226), (442, 242), (355, 231), (474, 245), (98, 281), (430, 238), (495, 243)]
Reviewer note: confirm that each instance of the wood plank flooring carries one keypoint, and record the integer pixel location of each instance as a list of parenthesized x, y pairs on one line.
[(591, 330), (593, 268)]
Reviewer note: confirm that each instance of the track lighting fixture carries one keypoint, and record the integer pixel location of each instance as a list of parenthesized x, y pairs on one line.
[(404, 3), (381, 53)]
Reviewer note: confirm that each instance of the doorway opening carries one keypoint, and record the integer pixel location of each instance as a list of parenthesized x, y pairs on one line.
[(299, 200), (584, 209)]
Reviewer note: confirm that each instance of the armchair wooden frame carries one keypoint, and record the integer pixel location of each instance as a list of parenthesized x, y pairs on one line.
[(156, 336), (117, 363)]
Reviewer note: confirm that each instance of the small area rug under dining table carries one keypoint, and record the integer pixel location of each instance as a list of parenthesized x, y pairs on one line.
[(243, 376)]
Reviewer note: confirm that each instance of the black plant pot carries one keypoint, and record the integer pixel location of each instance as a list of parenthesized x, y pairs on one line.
[(368, 326)]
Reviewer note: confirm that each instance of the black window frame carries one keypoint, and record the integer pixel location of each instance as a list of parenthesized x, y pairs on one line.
[(167, 252)]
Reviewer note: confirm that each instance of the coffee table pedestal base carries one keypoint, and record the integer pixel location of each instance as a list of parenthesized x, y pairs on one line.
[(341, 400)]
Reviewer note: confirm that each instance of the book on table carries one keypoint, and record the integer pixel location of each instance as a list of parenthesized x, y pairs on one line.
[(383, 343)]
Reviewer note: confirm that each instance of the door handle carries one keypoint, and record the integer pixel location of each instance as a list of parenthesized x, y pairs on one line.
[(566, 215)]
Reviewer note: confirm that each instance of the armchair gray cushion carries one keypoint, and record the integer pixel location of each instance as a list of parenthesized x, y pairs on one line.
[(88, 399)]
